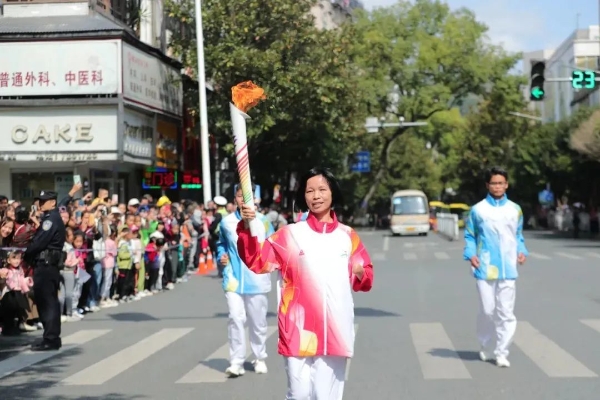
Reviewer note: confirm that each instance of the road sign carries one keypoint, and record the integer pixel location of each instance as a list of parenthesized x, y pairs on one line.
[(362, 162)]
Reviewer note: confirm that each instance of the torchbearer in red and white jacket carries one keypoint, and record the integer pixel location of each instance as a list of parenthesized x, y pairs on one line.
[(320, 261)]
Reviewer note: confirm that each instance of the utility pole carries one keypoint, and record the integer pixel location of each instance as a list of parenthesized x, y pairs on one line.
[(204, 142)]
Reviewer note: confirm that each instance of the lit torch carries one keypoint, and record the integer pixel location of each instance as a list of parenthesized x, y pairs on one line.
[(244, 95)]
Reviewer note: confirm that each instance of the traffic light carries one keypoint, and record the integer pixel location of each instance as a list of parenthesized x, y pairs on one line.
[(536, 90), (583, 79)]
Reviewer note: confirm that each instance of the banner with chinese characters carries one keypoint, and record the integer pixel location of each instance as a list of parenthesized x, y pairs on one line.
[(159, 178), (59, 68), (150, 82)]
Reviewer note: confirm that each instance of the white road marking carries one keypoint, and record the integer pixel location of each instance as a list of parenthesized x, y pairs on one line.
[(349, 360), (595, 255), (410, 256), (386, 243), (429, 338), (409, 245), (29, 358), (378, 257), (205, 373), (105, 370), (568, 255), (549, 356), (538, 256), (440, 255)]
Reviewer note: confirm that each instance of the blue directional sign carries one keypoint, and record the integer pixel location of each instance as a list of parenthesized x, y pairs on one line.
[(362, 162)]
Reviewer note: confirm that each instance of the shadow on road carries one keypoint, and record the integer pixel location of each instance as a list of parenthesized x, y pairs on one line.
[(31, 382), (548, 235), (373, 312), (132, 317), (463, 355)]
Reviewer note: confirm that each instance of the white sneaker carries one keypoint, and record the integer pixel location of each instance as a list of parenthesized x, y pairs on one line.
[(260, 367), (485, 356), (235, 370), (502, 362), (63, 318)]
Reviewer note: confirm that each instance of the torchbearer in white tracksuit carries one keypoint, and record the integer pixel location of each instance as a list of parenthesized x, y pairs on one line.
[(494, 247), (246, 294)]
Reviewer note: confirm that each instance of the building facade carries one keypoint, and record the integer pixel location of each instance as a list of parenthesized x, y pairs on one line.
[(330, 14), (81, 94), (581, 50)]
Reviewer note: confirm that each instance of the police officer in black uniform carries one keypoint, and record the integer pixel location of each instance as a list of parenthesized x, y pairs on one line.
[(44, 254)]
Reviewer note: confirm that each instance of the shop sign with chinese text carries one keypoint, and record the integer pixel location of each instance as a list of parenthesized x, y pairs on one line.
[(59, 68), (149, 82)]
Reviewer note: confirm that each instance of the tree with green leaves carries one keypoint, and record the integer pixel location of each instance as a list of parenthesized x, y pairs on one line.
[(419, 59), (312, 97)]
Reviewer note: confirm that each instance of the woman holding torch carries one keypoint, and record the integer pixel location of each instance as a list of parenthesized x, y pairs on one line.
[(321, 261)]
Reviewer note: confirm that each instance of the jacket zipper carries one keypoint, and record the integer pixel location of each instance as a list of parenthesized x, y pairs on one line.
[(500, 248), (324, 307)]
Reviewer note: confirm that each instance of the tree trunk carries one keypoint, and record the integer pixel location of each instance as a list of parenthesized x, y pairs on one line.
[(385, 154)]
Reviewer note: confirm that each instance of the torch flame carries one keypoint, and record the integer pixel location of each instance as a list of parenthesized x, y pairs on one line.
[(246, 95)]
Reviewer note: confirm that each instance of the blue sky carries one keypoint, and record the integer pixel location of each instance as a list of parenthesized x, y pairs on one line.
[(525, 25)]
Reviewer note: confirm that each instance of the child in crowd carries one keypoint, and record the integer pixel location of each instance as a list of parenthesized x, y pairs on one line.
[(81, 275), (14, 303), (68, 279), (108, 267), (152, 256), (125, 264)]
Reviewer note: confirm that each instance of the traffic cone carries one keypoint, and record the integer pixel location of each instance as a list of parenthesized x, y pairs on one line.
[(202, 270), (210, 266)]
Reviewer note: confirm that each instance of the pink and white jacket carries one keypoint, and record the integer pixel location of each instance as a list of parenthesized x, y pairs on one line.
[(16, 280), (315, 259)]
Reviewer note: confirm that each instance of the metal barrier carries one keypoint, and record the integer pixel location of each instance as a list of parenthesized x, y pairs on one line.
[(448, 225)]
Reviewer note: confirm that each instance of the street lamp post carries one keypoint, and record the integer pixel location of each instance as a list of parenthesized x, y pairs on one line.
[(204, 144), (373, 124)]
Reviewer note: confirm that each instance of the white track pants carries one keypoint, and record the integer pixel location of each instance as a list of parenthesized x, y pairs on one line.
[(315, 378), (496, 320), (253, 308)]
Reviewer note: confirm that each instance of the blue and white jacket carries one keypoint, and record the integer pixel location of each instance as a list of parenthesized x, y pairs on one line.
[(236, 275), (494, 233)]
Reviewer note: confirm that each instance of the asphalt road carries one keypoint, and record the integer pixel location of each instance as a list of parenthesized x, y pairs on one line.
[(415, 337)]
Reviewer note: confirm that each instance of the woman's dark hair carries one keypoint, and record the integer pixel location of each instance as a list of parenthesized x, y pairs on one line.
[(336, 193), (21, 215)]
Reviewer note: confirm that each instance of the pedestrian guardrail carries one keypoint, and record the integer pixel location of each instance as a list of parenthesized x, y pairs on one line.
[(448, 225)]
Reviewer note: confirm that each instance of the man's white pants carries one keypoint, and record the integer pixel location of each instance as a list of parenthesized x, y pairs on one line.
[(496, 320), (253, 308), (315, 378)]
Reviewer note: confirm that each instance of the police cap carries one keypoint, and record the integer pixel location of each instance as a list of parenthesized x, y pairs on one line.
[(47, 195)]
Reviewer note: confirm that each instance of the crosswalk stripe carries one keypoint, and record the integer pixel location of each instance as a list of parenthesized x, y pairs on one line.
[(440, 255), (409, 245), (568, 255), (549, 356), (592, 323), (538, 256), (378, 257), (208, 372), (29, 358), (349, 360), (386, 243), (103, 371), (429, 338), (595, 255), (410, 256)]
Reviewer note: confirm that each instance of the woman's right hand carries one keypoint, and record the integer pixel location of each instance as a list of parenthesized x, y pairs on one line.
[(248, 212)]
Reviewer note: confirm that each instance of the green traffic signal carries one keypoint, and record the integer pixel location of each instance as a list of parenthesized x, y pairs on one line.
[(583, 79), (536, 90), (537, 93)]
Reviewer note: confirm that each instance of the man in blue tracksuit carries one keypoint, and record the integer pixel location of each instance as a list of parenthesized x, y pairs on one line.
[(494, 247), (246, 294)]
